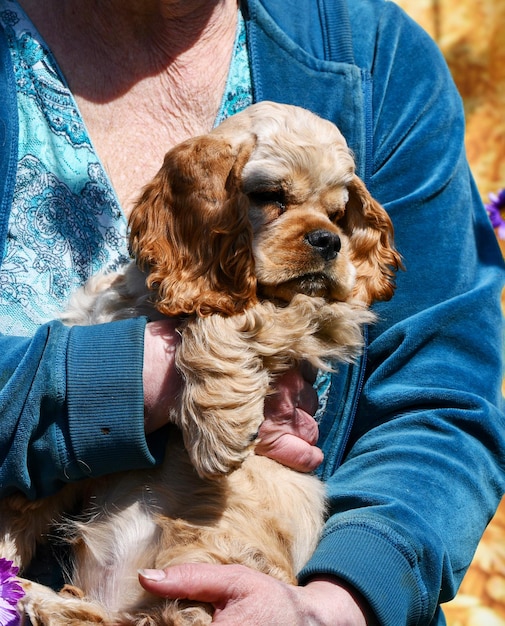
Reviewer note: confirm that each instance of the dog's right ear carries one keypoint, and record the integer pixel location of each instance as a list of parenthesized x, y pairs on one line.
[(190, 230)]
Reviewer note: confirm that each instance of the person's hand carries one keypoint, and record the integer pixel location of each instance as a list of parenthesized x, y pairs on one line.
[(162, 382), (244, 596), (289, 433)]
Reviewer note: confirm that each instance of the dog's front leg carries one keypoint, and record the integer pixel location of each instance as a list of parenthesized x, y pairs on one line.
[(223, 398)]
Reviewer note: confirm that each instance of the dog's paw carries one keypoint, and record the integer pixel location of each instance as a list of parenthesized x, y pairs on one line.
[(42, 606)]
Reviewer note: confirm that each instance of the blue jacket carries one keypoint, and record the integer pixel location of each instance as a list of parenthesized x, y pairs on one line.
[(414, 434)]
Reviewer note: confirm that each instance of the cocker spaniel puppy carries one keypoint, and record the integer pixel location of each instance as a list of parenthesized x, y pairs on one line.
[(261, 238)]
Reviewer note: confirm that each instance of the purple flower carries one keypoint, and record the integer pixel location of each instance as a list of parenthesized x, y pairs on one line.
[(494, 209), (10, 592)]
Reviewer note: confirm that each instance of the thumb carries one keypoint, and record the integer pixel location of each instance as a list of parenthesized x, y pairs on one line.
[(202, 582)]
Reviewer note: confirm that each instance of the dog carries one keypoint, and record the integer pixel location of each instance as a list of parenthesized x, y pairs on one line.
[(261, 239)]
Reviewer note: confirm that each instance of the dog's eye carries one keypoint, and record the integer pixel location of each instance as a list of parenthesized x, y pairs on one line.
[(269, 196), (336, 214)]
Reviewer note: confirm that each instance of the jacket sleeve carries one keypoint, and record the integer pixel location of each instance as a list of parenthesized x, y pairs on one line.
[(71, 399), (71, 405), (423, 470)]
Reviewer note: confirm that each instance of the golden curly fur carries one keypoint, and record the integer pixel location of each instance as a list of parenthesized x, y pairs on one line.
[(261, 237)]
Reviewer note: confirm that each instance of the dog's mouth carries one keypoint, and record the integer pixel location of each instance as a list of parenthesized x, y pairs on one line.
[(314, 285)]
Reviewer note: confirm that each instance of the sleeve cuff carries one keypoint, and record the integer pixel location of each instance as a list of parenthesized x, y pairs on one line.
[(106, 399), (382, 569)]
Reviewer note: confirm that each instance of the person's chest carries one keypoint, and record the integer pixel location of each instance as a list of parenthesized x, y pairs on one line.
[(131, 135)]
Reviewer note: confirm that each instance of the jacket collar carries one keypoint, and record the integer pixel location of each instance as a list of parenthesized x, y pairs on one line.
[(289, 52)]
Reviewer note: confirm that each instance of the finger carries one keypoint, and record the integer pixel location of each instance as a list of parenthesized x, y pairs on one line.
[(201, 582), (301, 424), (305, 427), (291, 394), (293, 452)]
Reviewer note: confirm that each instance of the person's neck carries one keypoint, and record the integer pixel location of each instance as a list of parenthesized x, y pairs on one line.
[(146, 74), (105, 46)]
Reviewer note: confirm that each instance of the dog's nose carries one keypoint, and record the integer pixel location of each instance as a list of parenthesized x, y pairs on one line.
[(326, 243)]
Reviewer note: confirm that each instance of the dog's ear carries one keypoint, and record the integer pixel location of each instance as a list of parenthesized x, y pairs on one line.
[(370, 232), (190, 230)]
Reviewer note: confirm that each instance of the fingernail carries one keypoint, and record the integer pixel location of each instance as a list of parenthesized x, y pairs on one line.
[(152, 574)]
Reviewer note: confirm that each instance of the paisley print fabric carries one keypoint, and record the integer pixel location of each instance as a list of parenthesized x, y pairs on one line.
[(66, 222)]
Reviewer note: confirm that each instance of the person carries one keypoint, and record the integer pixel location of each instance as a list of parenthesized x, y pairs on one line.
[(410, 439)]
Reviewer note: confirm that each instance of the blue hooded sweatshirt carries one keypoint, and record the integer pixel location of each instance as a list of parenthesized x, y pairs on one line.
[(414, 434)]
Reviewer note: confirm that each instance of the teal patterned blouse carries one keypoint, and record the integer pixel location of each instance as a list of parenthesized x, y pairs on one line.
[(66, 222)]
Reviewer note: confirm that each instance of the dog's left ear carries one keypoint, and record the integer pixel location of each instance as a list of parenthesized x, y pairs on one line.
[(190, 230), (370, 232)]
